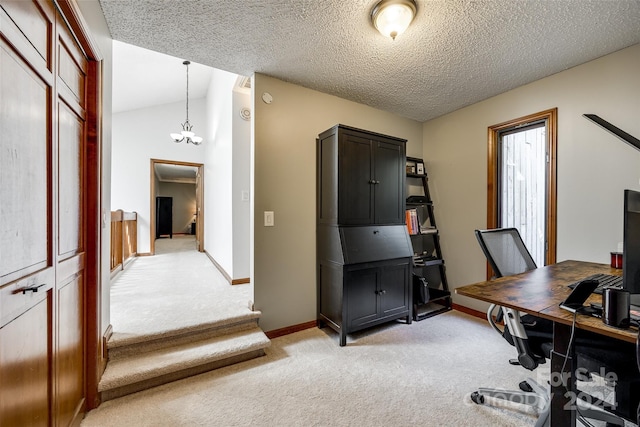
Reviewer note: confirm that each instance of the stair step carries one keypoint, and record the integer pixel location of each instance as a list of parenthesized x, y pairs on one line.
[(145, 344), (121, 340), (136, 372)]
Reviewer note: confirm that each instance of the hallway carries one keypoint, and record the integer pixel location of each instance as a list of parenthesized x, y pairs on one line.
[(177, 289), (175, 316)]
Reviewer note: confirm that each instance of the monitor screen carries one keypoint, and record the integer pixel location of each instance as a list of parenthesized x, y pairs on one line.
[(631, 251)]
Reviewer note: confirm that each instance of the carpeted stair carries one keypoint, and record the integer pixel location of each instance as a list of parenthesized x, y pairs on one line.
[(143, 361)]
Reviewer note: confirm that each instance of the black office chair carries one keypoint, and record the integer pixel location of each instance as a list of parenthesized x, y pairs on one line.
[(532, 336), (638, 361)]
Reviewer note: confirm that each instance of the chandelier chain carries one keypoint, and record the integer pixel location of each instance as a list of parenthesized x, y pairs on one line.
[(187, 97), (187, 133)]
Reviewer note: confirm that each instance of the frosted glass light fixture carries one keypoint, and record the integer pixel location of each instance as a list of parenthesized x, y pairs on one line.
[(392, 17), (187, 135)]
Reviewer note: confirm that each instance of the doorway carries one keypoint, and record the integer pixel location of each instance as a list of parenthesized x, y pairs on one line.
[(189, 213)]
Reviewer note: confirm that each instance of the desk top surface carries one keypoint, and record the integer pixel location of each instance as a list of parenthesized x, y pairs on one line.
[(540, 292)]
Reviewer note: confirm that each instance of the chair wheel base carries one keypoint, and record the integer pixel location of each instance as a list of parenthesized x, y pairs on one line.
[(477, 398), (524, 386)]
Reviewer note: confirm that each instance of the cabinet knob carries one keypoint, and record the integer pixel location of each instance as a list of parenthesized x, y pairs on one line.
[(376, 231), (373, 181), (381, 292)]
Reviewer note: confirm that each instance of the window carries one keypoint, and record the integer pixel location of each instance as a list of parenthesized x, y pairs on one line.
[(522, 181)]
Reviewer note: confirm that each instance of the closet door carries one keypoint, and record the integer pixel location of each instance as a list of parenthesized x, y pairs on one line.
[(71, 74), (42, 244), (27, 178)]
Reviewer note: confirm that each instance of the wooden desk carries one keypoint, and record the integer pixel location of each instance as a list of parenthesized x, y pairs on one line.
[(539, 292)]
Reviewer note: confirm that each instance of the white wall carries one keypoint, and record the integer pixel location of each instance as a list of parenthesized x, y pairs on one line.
[(285, 182), (142, 135), (241, 183), (218, 171), (594, 167)]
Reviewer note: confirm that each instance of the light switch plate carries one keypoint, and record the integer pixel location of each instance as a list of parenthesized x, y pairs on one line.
[(269, 220)]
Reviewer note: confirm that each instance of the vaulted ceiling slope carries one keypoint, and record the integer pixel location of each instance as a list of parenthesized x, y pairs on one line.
[(455, 53)]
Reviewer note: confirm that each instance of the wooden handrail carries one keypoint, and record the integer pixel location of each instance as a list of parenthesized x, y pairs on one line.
[(124, 239)]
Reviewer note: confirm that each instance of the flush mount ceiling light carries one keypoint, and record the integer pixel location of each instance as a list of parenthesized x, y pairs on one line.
[(187, 135), (392, 17)]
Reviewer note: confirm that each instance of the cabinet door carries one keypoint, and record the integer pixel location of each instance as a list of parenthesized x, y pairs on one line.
[(355, 186), (361, 290), (394, 289), (389, 176)]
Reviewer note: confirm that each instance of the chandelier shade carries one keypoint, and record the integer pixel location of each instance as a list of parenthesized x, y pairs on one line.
[(186, 134)]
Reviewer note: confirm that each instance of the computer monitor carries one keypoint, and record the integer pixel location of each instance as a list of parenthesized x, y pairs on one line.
[(631, 249)]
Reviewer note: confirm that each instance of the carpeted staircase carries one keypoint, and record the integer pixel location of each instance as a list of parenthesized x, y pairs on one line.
[(139, 362)]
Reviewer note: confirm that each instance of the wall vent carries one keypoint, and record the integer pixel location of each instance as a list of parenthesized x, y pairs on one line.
[(244, 82)]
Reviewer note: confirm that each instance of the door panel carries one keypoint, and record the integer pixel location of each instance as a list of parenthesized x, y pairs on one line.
[(70, 180), (361, 296), (33, 24), (70, 376), (25, 366), (71, 68), (390, 175), (396, 297), (24, 169), (354, 176)]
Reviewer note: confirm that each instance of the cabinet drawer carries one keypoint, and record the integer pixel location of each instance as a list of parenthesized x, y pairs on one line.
[(374, 243)]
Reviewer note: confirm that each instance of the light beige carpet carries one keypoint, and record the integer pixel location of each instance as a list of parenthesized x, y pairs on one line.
[(396, 375), (176, 289)]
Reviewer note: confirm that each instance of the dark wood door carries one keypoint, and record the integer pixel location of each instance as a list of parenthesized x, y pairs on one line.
[(355, 187), (371, 180), (394, 287), (389, 172), (361, 292), (164, 216), (42, 240)]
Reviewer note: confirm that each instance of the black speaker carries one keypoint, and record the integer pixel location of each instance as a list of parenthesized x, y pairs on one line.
[(615, 307)]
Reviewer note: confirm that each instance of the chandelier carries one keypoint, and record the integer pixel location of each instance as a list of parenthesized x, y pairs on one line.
[(187, 135)]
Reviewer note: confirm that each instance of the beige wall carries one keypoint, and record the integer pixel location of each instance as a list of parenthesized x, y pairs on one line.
[(594, 167), (285, 182)]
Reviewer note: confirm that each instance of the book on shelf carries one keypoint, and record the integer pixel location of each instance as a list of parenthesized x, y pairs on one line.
[(413, 224)]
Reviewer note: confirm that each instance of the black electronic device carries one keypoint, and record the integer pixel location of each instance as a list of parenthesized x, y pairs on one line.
[(631, 248), (575, 301), (615, 304), (417, 199)]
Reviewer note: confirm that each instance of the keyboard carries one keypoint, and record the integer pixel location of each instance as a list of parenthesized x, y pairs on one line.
[(604, 281)]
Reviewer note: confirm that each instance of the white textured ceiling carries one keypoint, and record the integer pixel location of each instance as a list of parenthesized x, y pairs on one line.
[(455, 53)]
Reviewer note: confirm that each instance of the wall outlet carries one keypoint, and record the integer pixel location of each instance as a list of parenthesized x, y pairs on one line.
[(269, 220)]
